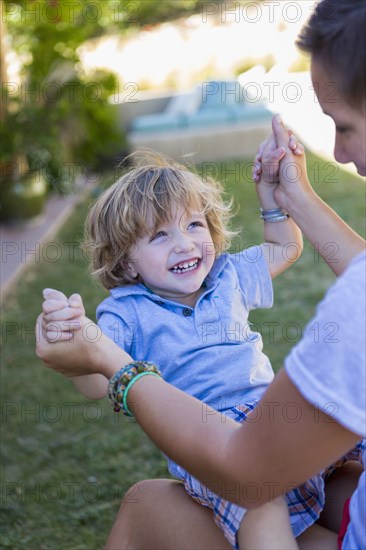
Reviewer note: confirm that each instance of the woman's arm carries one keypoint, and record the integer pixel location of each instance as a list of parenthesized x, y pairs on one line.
[(284, 441), (268, 454), (283, 241)]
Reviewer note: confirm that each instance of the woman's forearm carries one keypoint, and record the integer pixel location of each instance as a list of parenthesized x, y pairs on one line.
[(266, 453), (190, 432), (250, 463), (333, 239)]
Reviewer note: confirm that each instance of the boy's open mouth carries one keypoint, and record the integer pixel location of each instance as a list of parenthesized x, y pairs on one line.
[(183, 267)]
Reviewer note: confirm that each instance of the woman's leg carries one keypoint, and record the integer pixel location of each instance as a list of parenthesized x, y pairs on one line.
[(158, 514), (317, 537), (340, 486)]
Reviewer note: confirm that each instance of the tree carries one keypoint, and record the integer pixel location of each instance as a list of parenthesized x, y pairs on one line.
[(58, 114)]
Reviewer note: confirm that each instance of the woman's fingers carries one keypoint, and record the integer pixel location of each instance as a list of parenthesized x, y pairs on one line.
[(58, 331), (49, 306), (64, 314), (53, 335), (269, 152)]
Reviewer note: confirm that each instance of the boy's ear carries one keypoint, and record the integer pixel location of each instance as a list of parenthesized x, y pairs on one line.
[(130, 262), (131, 271)]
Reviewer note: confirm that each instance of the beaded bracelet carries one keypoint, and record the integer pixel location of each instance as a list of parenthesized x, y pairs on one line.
[(274, 215), (123, 380)]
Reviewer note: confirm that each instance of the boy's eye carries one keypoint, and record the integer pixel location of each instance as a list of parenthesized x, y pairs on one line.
[(341, 129), (196, 224), (157, 235)]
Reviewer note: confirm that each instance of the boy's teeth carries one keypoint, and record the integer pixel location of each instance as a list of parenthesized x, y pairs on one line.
[(184, 266)]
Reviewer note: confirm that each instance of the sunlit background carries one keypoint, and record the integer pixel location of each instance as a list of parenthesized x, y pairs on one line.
[(221, 41)]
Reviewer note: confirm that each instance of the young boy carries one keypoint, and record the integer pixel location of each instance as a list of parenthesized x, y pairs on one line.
[(157, 237)]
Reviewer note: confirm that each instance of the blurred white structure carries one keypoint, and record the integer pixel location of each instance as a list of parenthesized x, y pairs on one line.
[(216, 42)]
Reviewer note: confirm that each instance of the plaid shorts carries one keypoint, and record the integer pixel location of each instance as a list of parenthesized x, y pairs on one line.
[(305, 503)]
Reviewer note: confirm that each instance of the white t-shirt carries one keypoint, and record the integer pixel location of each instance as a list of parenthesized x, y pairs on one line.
[(328, 367)]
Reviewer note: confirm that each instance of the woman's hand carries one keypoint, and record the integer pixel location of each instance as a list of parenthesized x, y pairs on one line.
[(293, 184), (71, 344), (266, 167), (78, 355), (281, 160)]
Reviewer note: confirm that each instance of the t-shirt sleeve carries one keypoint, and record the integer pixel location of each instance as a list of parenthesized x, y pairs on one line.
[(118, 328), (254, 277), (328, 365)]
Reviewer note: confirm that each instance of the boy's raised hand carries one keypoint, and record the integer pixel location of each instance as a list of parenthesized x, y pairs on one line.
[(61, 316)]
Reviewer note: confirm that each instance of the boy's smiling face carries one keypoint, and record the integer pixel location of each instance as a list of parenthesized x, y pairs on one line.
[(173, 260)]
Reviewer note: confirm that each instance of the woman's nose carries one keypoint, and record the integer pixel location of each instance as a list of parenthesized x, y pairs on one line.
[(340, 154)]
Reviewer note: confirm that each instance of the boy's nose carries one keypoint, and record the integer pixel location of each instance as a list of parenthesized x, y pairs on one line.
[(183, 243)]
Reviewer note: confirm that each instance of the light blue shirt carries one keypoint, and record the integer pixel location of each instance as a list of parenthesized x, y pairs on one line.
[(208, 351), (328, 367)]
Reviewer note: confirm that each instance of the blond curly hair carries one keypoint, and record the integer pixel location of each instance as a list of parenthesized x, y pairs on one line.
[(146, 192)]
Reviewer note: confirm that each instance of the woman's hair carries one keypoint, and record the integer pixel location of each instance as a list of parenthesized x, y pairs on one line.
[(335, 37), (143, 196)]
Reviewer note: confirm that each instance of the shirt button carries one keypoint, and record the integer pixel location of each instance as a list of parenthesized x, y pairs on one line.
[(187, 312)]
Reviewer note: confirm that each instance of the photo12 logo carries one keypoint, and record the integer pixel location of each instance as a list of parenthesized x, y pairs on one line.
[(252, 12), (70, 11)]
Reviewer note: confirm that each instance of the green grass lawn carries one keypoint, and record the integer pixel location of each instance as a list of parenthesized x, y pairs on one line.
[(66, 462)]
